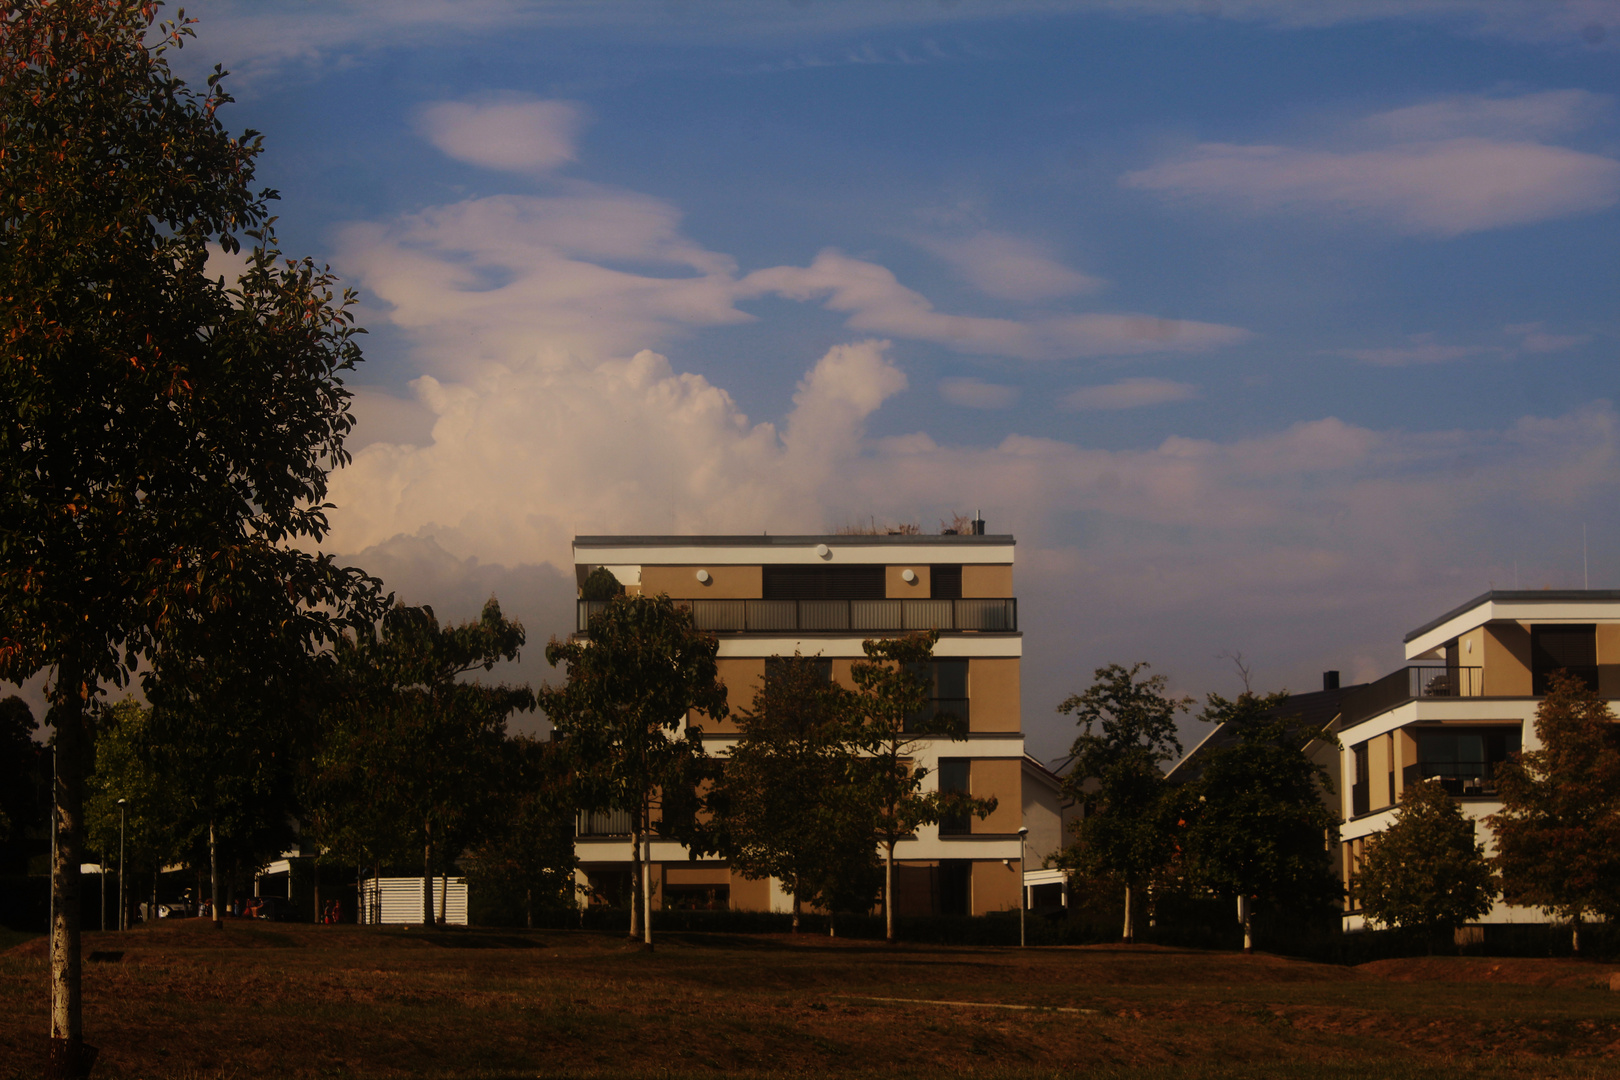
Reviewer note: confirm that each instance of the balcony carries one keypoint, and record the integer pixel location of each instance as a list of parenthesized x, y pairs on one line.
[(602, 823), (994, 615), (1409, 684), (1459, 778)]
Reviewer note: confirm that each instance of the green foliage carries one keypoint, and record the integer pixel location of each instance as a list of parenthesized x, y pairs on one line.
[(1558, 833), (600, 584), (161, 823), (525, 861), (1128, 730), (24, 783), (782, 804), (1259, 827), (412, 757), (623, 712), (1426, 871), (892, 725)]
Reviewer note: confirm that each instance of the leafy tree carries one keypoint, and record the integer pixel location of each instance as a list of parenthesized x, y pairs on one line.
[(780, 803), (156, 822), (894, 723), (528, 854), (1558, 833), (600, 584), (24, 782), (1259, 829), (412, 754), (167, 437), (1128, 731), (1426, 871), (623, 717)]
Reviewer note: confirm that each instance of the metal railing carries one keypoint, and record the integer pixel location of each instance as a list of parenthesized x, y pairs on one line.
[(602, 823), (988, 615), (1409, 683), (1457, 777)]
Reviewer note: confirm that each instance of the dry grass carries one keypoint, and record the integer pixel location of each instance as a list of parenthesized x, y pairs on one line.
[(297, 1001)]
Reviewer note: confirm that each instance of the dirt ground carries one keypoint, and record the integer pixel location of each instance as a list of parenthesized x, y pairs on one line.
[(263, 1000)]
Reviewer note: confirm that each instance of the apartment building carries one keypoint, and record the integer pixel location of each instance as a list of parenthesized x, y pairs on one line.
[(770, 596), (1463, 703)]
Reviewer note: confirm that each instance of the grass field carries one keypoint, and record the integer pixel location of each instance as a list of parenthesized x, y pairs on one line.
[(258, 1000)]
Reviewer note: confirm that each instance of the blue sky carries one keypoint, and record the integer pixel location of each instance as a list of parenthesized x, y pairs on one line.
[(1267, 327)]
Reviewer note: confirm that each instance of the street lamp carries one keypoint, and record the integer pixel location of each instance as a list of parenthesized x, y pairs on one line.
[(123, 906), (1023, 894)]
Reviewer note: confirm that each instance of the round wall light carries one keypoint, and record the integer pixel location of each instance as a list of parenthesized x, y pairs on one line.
[(703, 577), (823, 551), (909, 576)]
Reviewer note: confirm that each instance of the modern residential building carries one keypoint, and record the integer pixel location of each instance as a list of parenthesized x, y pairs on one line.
[(1464, 702), (771, 596)]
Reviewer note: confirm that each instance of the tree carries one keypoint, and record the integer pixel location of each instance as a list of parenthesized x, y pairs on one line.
[(1259, 829), (167, 437), (1558, 833), (412, 752), (1426, 871), (623, 717), (1128, 730), (24, 783), (893, 722), (780, 804), (527, 857)]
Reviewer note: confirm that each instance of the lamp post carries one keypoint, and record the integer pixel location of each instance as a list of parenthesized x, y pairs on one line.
[(1023, 895), (123, 906)]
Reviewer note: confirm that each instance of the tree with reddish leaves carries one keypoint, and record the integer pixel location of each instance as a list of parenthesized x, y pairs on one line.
[(166, 435), (1558, 833)]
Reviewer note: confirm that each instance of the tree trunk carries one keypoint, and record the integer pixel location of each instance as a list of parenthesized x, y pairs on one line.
[(888, 892), (635, 876), (318, 916), (427, 875), (213, 876), (796, 906), (646, 878), (528, 907), (1128, 934), (444, 895), (1575, 934), (68, 1057), (1247, 919)]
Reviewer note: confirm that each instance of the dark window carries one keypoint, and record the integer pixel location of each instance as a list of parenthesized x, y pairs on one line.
[(1464, 761), (945, 582), (953, 777), (1358, 788), (1572, 648), (947, 682), (776, 666), (955, 886), (824, 583)]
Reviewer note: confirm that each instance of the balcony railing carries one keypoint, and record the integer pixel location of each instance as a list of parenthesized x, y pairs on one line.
[(823, 616), (1407, 684), (602, 823), (1457, 777)]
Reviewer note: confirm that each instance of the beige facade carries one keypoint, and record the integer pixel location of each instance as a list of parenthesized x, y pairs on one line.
[(1464, 704)]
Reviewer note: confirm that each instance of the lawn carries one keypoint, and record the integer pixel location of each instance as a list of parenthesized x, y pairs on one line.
[(262, 1000)]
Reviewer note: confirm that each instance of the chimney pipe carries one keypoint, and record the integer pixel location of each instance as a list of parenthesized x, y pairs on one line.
[(978, 523), (1330, 680)]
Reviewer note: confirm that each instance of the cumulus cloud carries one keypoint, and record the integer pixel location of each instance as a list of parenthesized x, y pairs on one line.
[(1128, 394), (520, 135), (877, 303), (972, 393), (1010, 267)]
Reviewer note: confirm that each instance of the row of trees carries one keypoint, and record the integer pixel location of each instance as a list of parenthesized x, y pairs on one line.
[(1557, 834), (821, 778), (1252, 826)]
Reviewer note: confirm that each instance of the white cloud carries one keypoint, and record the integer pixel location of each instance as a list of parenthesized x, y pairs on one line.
[(1128, 394), (972, 393), (1419, 352), (1534, 339), (512, 135), (1010, 267), (1535, 115), (1440, 188), (877, 303)]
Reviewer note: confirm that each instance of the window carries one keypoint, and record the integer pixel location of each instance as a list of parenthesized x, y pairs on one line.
[(776, 666), (824, 582), (1389, 759), (1463, 760), (1570, 647), (1358, 786), (945, 582), (953, 777), (947, 682), (955, 886)]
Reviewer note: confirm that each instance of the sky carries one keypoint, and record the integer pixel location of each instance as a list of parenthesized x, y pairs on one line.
[(1269, 328)]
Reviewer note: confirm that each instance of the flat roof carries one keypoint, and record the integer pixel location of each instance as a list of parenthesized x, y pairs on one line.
[(767, 540), (1521, 596)]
